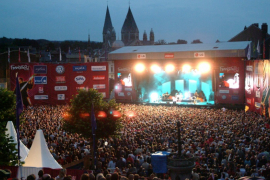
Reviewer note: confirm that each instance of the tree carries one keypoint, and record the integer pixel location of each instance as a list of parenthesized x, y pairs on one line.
[(181, 41), (78, 117), (196, 41), (8, 151), (161, 42)]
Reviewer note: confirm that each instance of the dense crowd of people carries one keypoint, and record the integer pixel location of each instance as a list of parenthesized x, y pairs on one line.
[(227, 144)]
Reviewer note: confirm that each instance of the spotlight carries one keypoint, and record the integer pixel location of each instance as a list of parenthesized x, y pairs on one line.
[(204, 67), (153, 97), (169, 68), (186, 68), (139, 68), (155, 68)]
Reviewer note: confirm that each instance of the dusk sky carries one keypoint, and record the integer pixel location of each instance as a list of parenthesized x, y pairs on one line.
[(207, 20)]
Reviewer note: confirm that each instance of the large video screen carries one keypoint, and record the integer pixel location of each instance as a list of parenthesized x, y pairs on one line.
[(229, 80), (124, 79)]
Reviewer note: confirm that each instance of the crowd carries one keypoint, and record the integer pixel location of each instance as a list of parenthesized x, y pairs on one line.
[(227, 144)]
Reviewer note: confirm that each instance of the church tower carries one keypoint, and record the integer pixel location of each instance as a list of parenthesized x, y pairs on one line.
[(144, 36), (109, 35), (130, 31), (152, 37)]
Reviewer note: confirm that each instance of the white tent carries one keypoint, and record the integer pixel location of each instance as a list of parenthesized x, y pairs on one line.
[(39, 154), (39, 157), (12, 133)]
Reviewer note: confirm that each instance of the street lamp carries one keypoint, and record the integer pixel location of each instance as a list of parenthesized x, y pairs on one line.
[(179, 140)]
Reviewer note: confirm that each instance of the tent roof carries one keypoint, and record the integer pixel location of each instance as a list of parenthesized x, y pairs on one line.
[(12, 133), (39, 154)]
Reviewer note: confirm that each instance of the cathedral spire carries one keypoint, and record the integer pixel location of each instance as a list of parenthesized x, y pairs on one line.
[(107, 28)]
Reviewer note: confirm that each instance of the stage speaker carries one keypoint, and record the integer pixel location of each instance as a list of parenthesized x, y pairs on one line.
[(168, 102), (174, 102)]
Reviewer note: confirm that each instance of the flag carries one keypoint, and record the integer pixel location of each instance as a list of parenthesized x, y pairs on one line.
[(264, 49), (93, 120), (8, 55), (19, 109), (246, 108), (249, 52), (19, 55), (69, 52), (60, 55), (28, 55), (79, 55), (50, 56), (258, 48)]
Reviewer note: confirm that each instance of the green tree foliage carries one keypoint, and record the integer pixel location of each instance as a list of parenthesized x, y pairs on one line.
[(8, 151), (78, 117)]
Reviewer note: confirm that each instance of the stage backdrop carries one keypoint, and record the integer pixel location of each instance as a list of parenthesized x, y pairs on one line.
[(43, 83)]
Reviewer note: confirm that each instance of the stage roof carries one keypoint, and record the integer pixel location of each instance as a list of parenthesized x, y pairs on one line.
[(179, 51)]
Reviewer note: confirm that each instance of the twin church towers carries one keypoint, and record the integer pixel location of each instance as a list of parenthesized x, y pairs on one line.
[(129, 32)]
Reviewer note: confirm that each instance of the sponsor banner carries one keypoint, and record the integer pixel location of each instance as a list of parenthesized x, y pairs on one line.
[(84, 88), (99, 86), (199, 54), (61, 97), (100, 77), (257, 105), (169, 55), (79, 68), (249, 68), (228, 69), (40, 90), (98, 68), (235, 97), (128, 88), (141, 56), (60, 69), (223, 96), (248, 101), (80, 79), (40, 80), (40, 69), (60, 88), (258, 94), (127, 69), (224, 91), (235, 92), (41, 97), (121, 94), (60, 79), (19, 67), (129, 93)]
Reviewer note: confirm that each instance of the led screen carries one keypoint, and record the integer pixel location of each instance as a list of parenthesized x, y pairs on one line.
[(229, 80), (124, 79)]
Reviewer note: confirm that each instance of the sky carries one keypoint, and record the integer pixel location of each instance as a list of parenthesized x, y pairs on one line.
[(207, 20)]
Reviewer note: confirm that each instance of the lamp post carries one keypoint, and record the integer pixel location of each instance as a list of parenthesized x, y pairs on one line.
[(179, 140)]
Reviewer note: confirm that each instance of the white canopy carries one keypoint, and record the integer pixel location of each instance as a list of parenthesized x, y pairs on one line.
[(12, 133), (39, 155)]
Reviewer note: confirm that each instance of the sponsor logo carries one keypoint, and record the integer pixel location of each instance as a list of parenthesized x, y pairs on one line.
[(60, 69), (141, 56), (40, 69), (60, 88), (128, 89), (227, 69), (124, 69), (199, 54), (101, 77), (99, 86), (235, 97), (257, 105), (79, 68), (248, 101), (40, 80), (103, 94), (169, 55), (258, 94), (79, 79), (223, 97), (235, 92), (61, 96), (98, 68), (129, 93), (121, 94), (40, 97), (224, 91), (40, 90), (60, 79), (19, 67), (249, 68)]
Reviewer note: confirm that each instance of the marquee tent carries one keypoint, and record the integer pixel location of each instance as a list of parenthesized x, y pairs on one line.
[(12, 133)]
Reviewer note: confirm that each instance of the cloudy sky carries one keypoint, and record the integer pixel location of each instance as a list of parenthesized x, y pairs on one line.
[(207, 20)]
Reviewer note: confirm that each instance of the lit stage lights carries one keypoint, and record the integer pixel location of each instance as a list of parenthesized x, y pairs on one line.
[(139, 68), (204, 67), (169, 68), (155, 68)]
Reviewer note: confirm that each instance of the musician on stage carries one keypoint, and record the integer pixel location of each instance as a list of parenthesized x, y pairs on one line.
[(25, 86)]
